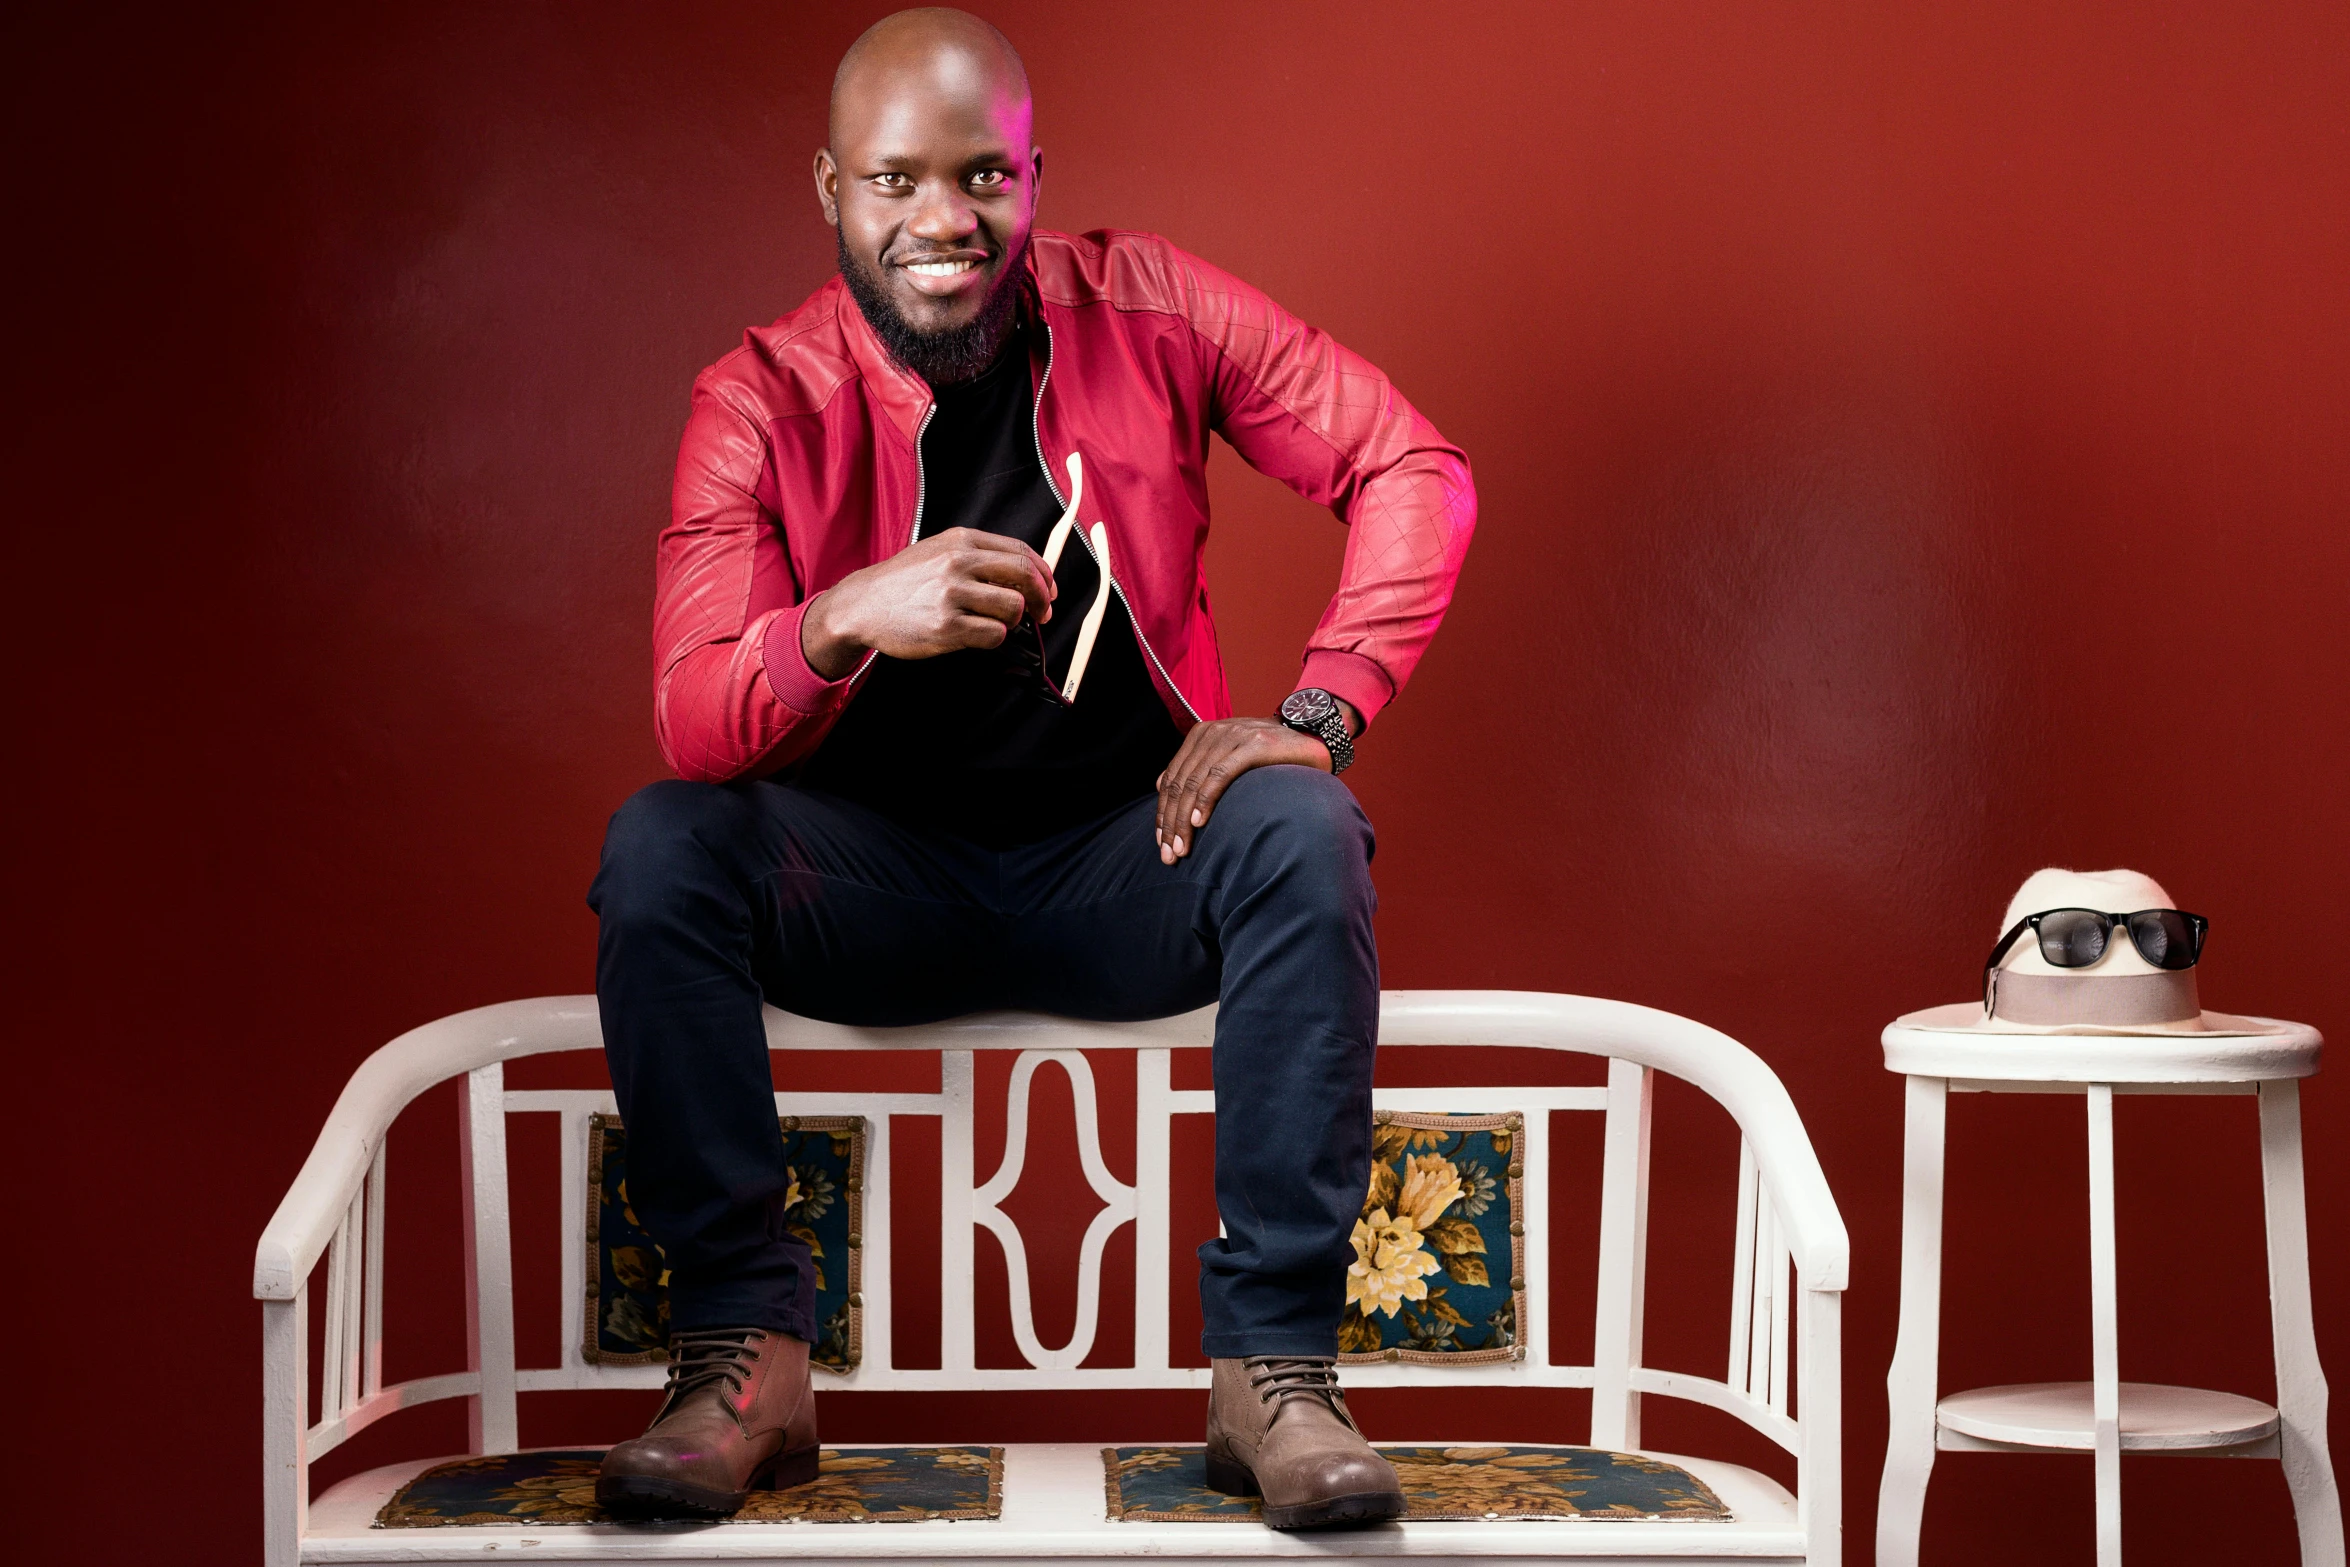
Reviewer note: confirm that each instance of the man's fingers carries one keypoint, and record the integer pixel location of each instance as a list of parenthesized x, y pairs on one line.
[(1187, 817), (1211, 757), (986, 598), (1209, 789), (1170, 785), (991, 557), (980, 538), (1210, 767), (1028, 579), (1162, 819), (1009, 567), (980, 631)]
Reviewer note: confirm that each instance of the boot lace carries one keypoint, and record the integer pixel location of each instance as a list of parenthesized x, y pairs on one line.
[(706, 1359), (1278, 1379)]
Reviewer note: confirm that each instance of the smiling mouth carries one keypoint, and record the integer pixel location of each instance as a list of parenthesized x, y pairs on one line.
[(951, 268)]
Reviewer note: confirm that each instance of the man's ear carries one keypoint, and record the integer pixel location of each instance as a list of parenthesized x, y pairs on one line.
[(828, 186)]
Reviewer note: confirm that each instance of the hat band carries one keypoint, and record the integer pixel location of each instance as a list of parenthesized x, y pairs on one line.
[(2110, 1001)]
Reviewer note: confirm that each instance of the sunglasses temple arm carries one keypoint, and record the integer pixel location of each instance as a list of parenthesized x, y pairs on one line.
[(1991, 964), (1093, 617), (1060, 534), (2014, 933)]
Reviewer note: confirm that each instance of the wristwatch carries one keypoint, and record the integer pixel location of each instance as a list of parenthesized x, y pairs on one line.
[(1315, 712)]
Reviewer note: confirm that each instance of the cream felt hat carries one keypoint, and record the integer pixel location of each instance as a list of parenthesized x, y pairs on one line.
[(2120, 993)]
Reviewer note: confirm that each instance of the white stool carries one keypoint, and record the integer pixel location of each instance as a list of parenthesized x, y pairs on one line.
[(2105, 1415)]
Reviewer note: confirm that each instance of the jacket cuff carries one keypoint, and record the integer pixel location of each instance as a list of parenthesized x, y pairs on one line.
[(795, 685), (1358, 680)]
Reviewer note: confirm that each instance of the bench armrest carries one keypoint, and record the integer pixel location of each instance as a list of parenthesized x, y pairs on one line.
[(384, 1085), (1733, 1075)]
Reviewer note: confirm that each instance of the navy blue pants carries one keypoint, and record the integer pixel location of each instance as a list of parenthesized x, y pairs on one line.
[(713, 898)]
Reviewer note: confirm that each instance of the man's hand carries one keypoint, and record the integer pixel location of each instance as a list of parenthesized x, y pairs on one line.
[(961, 588), (1215, 754)]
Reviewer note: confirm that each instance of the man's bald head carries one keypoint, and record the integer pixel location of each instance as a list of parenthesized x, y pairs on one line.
[(931, 182), (931, 51)]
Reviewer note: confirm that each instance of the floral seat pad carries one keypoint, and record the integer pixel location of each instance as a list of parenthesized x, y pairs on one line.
[(1170, 1485), (853, 1485)]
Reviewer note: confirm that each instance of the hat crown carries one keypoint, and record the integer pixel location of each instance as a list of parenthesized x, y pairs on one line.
[(2107, 892)]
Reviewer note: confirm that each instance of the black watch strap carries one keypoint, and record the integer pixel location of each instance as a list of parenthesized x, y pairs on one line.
[(1316, 712)]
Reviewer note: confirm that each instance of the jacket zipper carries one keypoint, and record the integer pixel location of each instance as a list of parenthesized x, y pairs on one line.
[(921, 494), (921, 498), (1036, 429), (921, 479)]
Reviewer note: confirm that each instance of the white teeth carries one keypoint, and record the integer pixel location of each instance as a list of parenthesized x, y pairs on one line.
[(939, 268)]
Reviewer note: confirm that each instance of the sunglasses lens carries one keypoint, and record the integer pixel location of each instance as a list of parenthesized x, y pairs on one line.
[(2164, 937), (1024, 661), (2072, 938), (1024, 650)]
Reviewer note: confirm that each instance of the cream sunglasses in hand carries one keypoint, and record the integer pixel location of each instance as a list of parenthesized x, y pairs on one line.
[(1090, 631)]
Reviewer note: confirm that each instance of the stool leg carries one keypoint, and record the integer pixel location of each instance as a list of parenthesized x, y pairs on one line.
[(2104, 1346), (2301, 1382), (1912, 1385)]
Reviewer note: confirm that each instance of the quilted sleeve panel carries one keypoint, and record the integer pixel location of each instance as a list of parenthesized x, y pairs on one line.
[(732, 694), (1326, 422)]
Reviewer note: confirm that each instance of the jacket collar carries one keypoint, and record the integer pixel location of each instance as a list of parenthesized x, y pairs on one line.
[(902, 396)]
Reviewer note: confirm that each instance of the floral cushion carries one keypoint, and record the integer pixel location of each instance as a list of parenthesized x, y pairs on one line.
[(627, 1317), (852, 1485), (1439, 1274), (1170, 1485)]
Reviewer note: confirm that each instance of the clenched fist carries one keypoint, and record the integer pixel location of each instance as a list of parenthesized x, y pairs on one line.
[(961, 588)]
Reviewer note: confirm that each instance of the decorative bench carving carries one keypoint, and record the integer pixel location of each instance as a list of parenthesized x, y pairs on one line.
[(1052, 1498)]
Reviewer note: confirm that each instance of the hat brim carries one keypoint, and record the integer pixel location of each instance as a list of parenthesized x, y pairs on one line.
[(1966, 1017)]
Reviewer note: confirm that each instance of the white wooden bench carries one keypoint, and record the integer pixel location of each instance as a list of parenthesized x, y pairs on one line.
[(331, 1223)]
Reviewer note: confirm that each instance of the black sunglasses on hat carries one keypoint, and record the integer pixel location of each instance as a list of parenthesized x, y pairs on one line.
[(2076, 938)]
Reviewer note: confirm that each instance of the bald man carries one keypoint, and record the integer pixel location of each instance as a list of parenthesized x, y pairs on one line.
[(934, 662)]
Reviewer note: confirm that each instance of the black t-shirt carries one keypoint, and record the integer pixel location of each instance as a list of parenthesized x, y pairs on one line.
[(968, 743)]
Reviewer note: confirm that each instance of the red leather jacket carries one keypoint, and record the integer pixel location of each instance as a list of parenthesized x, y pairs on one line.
[(801, 463)]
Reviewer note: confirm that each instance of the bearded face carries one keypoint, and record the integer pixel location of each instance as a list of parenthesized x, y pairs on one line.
[(943, 352)]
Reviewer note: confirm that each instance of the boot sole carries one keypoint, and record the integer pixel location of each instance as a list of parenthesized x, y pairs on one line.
[(1331, 1512), (649, 1496)]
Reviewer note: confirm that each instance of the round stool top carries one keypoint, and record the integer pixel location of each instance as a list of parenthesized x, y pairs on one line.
[(1938, 1043)]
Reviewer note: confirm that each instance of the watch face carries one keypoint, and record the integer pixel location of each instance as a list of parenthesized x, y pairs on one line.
[(1309, 707)]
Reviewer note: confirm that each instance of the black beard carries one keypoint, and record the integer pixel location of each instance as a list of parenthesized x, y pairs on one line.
[(944, 358)]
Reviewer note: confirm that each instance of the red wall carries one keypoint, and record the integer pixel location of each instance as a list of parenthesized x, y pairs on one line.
[(1912, 444)]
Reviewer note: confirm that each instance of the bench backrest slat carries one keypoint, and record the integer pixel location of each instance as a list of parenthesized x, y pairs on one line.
[(1623, 1256), (491, 1423), (968, 1205)]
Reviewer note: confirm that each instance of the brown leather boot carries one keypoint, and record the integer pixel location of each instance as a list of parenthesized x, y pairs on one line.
[(740, 1417), (1278, 1428)]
